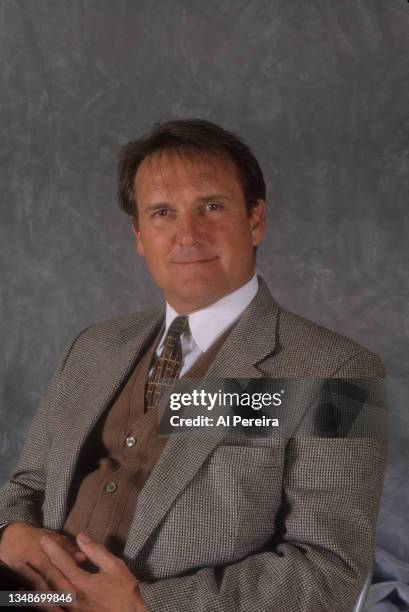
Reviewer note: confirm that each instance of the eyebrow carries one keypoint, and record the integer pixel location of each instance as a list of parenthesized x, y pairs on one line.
[(201, 200)]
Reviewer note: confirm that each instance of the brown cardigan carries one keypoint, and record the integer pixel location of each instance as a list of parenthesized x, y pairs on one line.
[(119, 457)]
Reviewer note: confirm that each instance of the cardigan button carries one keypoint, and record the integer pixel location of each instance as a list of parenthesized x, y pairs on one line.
[(111, 487), (130, 441)]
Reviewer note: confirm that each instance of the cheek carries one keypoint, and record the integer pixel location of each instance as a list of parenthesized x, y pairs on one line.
[(155, 244), (234, 238), (157, 254)]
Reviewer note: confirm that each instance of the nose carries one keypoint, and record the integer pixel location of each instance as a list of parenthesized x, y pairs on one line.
[(188, 230)]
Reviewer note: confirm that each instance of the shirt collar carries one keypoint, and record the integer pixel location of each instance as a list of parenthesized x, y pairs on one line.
[(208, 324)]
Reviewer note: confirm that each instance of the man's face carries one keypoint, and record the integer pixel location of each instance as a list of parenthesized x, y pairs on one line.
[(193, 228)]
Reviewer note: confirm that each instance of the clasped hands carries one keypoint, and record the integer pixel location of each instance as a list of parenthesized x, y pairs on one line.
[(49, 561)]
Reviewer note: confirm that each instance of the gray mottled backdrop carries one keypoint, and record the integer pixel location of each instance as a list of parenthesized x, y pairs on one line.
[(319, 89)]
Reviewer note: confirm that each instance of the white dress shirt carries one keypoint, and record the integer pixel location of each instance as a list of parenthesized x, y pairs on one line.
[(208, 324)]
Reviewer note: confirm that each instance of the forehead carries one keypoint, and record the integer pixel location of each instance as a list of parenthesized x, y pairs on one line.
[(171, 172)]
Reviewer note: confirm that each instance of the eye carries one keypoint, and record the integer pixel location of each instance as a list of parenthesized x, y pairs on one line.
[(162, 212), (213, 206)]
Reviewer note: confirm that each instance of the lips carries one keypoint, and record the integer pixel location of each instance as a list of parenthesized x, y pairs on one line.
[(195, 261)]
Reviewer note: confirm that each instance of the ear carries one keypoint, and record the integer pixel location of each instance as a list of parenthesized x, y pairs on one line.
[(137, 233), (257, 221)]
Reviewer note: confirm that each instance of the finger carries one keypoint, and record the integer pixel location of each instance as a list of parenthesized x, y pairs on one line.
[(73, 550), (79, 556), (70, 547), (54, 578), (97, 553), (62, 560), (34, 578), (46, 607), (37, 582)]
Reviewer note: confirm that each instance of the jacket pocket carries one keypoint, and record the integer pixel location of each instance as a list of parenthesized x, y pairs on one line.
[(254, 475)]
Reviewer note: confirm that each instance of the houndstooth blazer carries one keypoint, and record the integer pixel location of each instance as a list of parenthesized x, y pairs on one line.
[(286, 526)]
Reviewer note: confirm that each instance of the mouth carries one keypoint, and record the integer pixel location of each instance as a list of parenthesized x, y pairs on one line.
[(194, 261)]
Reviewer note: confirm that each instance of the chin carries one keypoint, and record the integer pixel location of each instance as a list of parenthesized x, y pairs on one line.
[(195, 288), (196, 277), (191, 290)]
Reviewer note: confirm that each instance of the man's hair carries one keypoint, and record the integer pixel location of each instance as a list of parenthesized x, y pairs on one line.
[(195, 137)]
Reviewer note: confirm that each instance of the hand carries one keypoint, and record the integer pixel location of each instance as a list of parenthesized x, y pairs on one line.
[(21, 550), (111, 589)]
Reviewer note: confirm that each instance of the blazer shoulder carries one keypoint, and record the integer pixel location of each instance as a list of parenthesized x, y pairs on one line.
[(115, 332), (300, 335)]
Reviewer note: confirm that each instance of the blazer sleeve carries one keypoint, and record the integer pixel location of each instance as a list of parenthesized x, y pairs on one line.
[(331, 493), (22, 496)]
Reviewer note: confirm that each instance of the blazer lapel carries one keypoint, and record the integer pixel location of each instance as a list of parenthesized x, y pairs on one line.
[(112, 371), (251, 341)]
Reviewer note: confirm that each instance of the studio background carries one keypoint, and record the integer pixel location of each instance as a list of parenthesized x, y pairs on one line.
[(319, 90)]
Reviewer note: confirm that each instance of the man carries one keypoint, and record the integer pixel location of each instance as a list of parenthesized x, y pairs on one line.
[(102, 506)]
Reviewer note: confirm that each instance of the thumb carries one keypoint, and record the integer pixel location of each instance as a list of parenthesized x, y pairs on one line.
[(97, 553)]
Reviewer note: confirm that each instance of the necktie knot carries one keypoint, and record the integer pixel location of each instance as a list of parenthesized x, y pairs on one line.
[(178, 326)]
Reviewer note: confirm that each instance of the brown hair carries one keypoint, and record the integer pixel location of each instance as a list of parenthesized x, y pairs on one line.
[(191, 136)]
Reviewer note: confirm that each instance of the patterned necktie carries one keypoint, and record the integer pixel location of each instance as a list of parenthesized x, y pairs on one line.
[(168, 365)]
